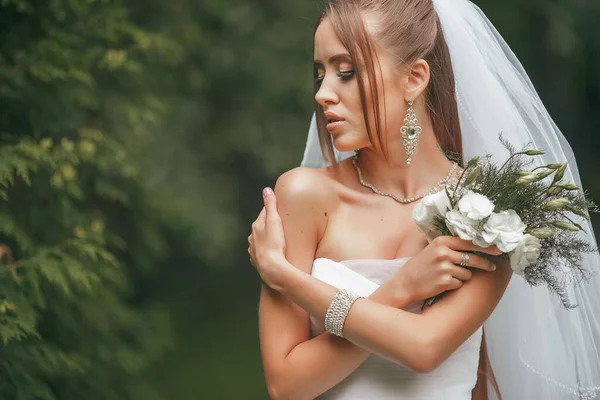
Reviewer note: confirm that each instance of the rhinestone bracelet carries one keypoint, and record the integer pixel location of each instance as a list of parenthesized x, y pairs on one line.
[(338, 311)]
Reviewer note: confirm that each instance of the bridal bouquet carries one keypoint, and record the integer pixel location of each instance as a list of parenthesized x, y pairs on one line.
[(528, 214)]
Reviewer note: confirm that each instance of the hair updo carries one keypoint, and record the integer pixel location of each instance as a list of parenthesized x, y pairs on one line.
[(408, 30)]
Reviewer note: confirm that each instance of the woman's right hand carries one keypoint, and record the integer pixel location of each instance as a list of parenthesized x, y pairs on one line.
[(437, 269)]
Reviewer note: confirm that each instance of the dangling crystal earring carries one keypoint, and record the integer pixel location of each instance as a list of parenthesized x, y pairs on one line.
[(410, 132)]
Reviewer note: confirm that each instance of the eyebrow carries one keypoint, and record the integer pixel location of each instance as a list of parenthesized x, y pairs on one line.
[(335, 58)]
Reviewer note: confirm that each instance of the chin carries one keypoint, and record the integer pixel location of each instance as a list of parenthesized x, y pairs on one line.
[(343, 143), (342, 148)]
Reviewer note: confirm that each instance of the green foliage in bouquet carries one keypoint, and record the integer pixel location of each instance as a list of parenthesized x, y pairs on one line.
[(546, 203)]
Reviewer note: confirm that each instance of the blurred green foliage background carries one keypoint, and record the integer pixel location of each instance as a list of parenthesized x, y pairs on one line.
[(135, 138)]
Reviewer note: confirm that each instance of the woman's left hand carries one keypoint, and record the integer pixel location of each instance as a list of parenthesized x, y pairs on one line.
[(267, 242)]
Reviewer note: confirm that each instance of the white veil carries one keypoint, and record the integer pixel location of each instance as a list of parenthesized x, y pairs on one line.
[(537, 349)]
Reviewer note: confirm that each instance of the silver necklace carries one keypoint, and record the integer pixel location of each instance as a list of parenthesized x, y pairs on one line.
[(442, 184)]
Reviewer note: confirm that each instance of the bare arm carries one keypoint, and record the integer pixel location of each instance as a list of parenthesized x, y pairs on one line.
[(315, 365), (420, 342), (296, 366)]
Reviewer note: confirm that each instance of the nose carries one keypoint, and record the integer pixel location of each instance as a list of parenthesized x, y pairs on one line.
[(326, 94)]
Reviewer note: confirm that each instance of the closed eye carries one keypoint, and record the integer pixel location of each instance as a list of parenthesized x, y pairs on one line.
[(345, 75)]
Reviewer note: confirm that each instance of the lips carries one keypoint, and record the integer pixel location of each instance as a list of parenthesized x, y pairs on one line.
[(332, 117), (335, 126), (334, 121)]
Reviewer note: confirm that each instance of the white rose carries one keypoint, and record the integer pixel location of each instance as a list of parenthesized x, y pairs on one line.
[(475, 206), (504, 229), (434, 205), (526, 253), (460, 225)]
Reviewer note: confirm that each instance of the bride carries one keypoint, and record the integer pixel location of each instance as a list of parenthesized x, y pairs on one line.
[(345, 269)]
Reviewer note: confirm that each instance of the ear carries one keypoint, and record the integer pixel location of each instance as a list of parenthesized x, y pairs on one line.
[(417, 79)]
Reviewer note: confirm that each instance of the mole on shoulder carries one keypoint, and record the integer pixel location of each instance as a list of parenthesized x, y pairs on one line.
[(325, 213)]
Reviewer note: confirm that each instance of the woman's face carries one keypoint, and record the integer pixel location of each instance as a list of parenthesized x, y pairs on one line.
[(339, 95)]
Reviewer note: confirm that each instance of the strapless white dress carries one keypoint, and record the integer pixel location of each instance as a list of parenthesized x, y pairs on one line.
[(378, 378)]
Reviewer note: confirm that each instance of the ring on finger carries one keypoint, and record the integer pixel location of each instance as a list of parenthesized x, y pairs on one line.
[(464, 260)]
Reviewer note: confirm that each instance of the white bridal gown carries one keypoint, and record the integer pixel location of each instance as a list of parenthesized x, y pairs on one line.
[(378, 378)]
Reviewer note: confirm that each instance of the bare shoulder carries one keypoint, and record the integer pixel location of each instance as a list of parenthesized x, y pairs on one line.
[(304, 187), (305, 199)]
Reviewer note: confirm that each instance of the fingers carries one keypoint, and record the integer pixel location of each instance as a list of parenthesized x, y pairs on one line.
[(260, 220), (456, 243), (251, 254), (273, 220), (492, 250), (270, 203), (472, 261), (250, 245), (460, 273), (454, 284), (251, 249)]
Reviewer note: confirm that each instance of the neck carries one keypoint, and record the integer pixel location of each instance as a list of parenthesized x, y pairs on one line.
[(429, 165)]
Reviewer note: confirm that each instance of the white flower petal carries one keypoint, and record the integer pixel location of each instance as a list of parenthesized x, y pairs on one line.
[(526, 253), (475, 206), (460, 225), (505, 229), (431, 206)]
